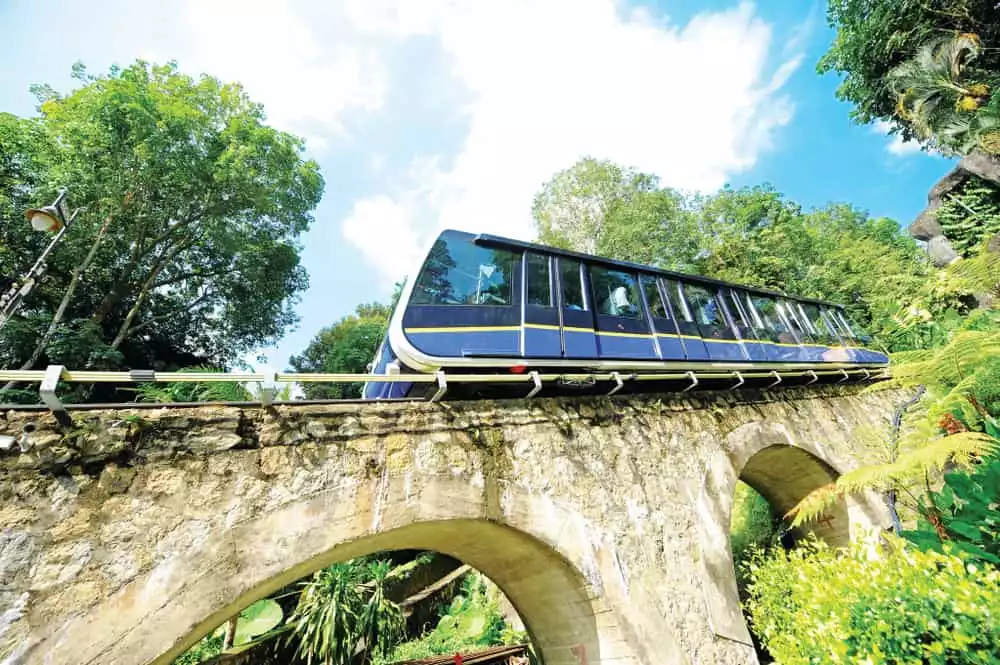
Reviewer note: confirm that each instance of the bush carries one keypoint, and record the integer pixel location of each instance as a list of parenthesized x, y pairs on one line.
[(815, 606)]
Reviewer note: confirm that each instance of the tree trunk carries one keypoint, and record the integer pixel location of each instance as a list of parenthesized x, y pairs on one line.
[(227, 641), (61, 310), (144, 292)]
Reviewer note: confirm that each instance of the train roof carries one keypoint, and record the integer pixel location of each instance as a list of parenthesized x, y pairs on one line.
[(489, 239)]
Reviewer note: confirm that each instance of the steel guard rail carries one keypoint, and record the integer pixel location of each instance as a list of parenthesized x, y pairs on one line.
[(49, 378)]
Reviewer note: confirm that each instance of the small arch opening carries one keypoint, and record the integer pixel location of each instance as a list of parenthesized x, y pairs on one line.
[(771, 483)]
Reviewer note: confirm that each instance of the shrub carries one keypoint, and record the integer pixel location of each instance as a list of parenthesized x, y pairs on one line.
[(816, 606), (967, 511)]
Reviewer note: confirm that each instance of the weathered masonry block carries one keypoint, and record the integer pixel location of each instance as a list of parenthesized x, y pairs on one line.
[(127, 537)]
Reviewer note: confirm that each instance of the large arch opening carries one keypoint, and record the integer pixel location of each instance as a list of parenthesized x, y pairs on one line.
[(536, 551), (393, 606), (547, 594)]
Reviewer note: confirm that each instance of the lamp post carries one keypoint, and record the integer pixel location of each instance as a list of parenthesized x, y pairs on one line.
[(48, 219)]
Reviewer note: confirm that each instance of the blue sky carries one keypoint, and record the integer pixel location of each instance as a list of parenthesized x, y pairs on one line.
[(432, 113)]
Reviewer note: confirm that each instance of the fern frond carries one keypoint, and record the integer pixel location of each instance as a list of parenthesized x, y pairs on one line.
[(814, 504), (978, 273), (959, 449)]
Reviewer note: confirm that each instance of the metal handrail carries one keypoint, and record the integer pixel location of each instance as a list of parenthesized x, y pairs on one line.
[(54, 374)]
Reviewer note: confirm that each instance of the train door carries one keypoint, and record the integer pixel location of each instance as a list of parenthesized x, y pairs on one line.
[(622, 328), (721, 340), (687, 329), (542, 332), (666, 338), (576, 320)]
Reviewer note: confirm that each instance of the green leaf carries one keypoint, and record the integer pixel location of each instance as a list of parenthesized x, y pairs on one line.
[(259, 618), (967, 530)]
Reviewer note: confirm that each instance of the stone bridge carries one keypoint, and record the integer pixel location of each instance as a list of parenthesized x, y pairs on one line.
[(130, 535)]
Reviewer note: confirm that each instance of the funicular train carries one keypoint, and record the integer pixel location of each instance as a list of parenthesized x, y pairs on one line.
[(486, 305)]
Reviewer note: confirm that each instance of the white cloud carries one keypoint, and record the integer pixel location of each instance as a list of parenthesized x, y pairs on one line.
[(273, 48), (896, 145), (383, 230), (554, 80)]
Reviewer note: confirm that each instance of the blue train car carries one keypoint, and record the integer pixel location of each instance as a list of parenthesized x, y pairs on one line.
[(484, 304)]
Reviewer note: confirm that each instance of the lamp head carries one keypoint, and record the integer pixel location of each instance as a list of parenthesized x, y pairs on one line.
[(44, 219)]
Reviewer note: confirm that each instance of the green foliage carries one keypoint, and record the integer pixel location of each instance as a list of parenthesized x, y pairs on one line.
[(325, 619), (345, 347), (472, 621), (815, 606), (207, 647), (601, 208), (971, 216), (950, 426), (186, 250), (876, 36), (968, 515), (761, 239), (343, 611), (381, 622), (201, 391), (941, 97), (751, 235), (752, 527), (261, 617)]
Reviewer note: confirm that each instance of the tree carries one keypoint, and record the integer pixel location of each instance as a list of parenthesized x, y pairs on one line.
[(956, 424), (875, 36), (830, 253), (325, 619), (345, 347), (598, 207), (343, 614), (941, 103), (752, 235), (186, 252)]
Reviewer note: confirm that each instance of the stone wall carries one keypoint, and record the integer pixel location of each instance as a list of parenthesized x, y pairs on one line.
[(605, 521)]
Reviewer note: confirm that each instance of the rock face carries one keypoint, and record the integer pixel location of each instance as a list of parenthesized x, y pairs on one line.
[(927, 227), (605, 521)]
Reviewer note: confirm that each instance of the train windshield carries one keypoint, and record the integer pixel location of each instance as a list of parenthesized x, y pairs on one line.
[(459, 272)]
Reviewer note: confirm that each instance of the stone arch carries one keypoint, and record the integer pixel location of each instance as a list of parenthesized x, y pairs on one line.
[(550, 575), (767, 457)]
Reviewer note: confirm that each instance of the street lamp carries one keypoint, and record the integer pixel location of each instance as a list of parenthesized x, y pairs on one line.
[(47, 219)]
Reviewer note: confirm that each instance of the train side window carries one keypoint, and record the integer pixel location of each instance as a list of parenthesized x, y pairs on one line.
[(459, 272), (616, 293), (854, 329), (677, 303), (818, 323), (771, 320), (652, 292), (740, 317), (572, 285), (539, 280), (705, 307), (794, 322), (835, 322)]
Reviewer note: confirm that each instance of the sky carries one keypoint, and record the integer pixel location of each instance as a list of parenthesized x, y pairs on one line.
[(431, 114)]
